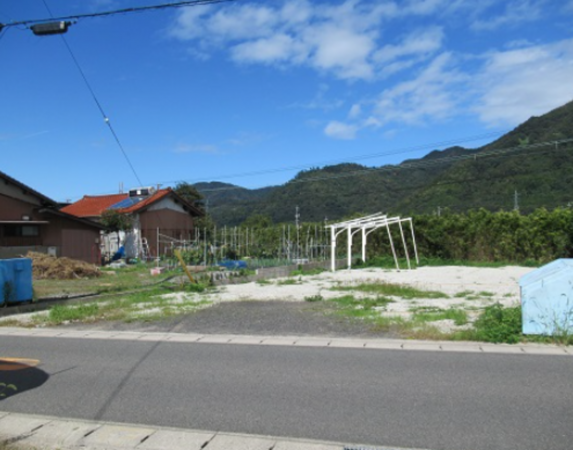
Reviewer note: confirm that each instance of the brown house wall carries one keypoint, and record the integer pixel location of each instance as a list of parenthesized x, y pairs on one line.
[(69, 238), (170, 223)]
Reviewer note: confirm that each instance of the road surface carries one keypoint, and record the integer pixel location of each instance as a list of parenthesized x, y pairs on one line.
[(412, 399)]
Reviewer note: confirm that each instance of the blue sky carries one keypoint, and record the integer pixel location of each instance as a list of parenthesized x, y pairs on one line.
[(250, 92)]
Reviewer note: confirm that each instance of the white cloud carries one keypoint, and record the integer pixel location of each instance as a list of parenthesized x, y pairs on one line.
[(269, 50), (419, 42), (355, 40), (355, 111), (339, 130), (433, 95), (515, 12), (338, 40), (340, 50), (516, 84)]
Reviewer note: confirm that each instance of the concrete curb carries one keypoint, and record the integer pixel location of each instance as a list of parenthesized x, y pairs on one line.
[(53, 433), (296, 341)]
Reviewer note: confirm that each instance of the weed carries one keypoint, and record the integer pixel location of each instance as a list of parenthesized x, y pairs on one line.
[(463, 294), (306, 272), (195, 287), (288, 282), (263, 282), (486, 294), (364, 307), (499, 324), (66, 313), (459, 316), (314, 298), (395, 290)]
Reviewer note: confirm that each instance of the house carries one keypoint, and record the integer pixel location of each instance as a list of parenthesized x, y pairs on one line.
[(30, 221), (160, 218)]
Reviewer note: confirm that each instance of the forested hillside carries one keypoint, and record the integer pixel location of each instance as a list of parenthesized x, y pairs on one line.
[(528, 168)]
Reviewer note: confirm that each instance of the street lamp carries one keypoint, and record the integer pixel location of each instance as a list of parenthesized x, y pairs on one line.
[(44, 29)]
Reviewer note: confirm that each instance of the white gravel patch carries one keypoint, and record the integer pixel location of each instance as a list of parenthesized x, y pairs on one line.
[(467, 288)]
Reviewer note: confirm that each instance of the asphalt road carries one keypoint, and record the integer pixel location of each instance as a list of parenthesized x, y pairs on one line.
[(432, 400)]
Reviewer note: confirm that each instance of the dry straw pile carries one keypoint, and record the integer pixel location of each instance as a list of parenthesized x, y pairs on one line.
[(50, 267)]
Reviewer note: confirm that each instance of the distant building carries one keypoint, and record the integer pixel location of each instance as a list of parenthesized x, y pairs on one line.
[(30, 221), (159, 217)]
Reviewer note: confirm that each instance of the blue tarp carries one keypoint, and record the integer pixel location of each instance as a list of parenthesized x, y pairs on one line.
[(547, 299)]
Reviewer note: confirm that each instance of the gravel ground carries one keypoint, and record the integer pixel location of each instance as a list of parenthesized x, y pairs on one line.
[(279, 307), (284, 318)]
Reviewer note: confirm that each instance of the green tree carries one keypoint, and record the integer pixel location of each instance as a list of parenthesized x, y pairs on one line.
[(116, 221), (189, 193)]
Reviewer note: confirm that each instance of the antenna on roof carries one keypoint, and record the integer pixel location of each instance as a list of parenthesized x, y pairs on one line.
[(121, 187)]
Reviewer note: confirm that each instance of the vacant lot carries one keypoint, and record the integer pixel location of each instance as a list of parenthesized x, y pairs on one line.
[(429, 302)]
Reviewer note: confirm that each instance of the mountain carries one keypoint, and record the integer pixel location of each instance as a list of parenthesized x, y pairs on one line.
[(529, 167)]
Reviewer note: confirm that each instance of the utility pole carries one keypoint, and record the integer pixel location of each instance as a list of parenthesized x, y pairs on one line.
[(516, 201), (296, 220)]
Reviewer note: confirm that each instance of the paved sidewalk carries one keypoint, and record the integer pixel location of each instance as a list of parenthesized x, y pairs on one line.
[(30, 432), (296, 341)]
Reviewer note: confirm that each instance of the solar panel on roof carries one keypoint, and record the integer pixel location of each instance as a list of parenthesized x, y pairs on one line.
[(126, 202)]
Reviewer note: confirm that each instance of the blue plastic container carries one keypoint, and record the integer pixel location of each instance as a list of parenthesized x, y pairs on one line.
[(232, 264), (547, 299), (15, 280)]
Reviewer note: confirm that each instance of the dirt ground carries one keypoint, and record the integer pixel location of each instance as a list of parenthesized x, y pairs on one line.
[(279, 306)]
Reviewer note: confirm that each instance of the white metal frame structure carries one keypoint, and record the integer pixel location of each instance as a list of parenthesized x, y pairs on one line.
[(367, 225)]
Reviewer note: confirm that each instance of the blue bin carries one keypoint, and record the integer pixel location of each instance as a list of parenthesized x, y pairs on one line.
[(547, 299), (15, 280)]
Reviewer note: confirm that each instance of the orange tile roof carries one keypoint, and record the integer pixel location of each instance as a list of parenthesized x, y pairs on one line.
[(93, 205)]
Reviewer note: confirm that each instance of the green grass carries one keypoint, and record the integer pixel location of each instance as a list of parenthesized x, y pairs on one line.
[(387, 262), (111, 280), (394, 290), (349, 305), (307, 272), (425, 314), (288, 282), (144, 306)]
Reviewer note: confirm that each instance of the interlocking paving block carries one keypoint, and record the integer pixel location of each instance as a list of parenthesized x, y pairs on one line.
[(176, 337), (502, 348), (237, 442), (13, 425), (246, 340), (60, 433), (154, 337), (347, 343), (291, 445), (425, 346), (384, 344), (312, 342), (544, 350), (282, 340), (127, 336), (176, 440), (462, 348), (117, 436), (215, 339)]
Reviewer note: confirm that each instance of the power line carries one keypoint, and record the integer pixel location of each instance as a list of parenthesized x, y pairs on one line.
[(97, 102), (399, 151), (180, 4), (420, 164)]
